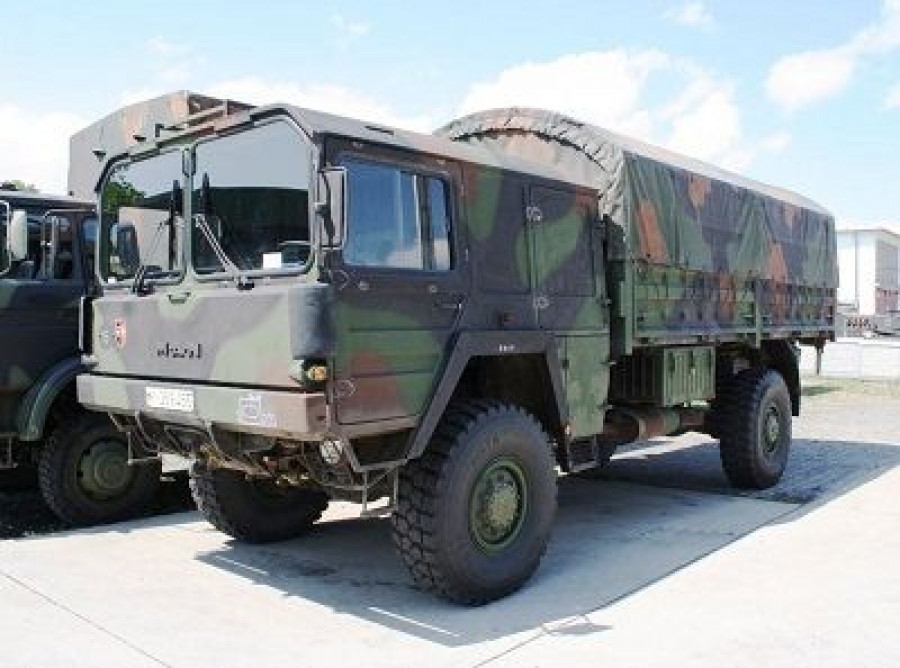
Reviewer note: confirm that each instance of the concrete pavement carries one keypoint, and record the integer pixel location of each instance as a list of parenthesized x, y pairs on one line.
[(659, 564)]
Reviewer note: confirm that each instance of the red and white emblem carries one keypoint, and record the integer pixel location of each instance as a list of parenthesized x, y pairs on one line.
[(120, 332)]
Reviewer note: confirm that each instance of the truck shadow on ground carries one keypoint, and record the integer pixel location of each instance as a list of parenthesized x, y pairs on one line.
[(24, 513), (656, 510)]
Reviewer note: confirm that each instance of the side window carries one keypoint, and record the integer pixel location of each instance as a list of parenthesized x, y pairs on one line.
[(438, 223), (396, 218), (90, 233), (4, 258), (57, 259)]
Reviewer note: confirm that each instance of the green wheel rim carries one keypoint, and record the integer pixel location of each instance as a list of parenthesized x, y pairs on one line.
[(498, 505), (771, 430), (103, 471)]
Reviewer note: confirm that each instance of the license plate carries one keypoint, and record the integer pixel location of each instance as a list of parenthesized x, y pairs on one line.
[(170, 399)]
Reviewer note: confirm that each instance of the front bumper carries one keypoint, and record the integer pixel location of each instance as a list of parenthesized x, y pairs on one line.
[(279, 414)]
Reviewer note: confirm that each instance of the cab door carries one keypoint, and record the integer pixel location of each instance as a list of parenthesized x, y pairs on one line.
[(399, 284), (39, 305), (568, 287)]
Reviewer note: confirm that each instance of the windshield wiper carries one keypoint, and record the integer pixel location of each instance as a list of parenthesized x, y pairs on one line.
[(203, 225), (200, 219), (138, 285)]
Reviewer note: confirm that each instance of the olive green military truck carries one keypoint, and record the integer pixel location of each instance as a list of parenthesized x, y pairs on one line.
[(77, 456), (316, 308)]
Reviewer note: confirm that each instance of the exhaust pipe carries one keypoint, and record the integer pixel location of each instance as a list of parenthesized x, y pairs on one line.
[(628, 424)]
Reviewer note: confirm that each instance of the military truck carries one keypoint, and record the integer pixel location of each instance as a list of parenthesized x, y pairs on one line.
[(314, 308), (77, 456)]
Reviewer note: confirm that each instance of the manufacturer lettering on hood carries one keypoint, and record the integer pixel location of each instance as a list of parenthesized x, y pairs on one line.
[(175, 351)]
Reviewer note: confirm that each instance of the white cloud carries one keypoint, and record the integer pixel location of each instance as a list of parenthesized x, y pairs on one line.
[(804, 78), (34, 146), (323, 97), (170, 65), (701, 118), (892, 101), (776, 142), (692, 15), (801, 79), (579, 84), (711, 130), (349, 29), (161, 46)]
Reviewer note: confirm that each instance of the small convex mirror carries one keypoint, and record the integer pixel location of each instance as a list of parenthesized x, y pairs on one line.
[(127, 248), (17, 240)]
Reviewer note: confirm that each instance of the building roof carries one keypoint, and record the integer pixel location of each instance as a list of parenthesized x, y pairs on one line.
[(851, 228), (59, 201)]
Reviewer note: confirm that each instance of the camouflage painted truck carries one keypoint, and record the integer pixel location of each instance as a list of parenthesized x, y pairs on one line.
[(317, 308)]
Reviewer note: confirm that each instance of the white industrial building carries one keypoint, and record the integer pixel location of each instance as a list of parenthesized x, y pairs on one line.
[(869, 266)]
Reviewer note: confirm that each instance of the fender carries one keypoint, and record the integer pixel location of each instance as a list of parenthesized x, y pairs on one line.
[(487, 344), (40, 398)]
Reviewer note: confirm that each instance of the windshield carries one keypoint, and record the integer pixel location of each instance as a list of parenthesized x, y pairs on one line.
[(136, 229), (251, 197), (50, 232)]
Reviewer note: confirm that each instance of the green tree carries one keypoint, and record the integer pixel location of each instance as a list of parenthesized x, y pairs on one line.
[(18, 184)]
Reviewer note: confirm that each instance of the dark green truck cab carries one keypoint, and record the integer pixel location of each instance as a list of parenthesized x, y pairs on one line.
[(313, 308), (46, 272)]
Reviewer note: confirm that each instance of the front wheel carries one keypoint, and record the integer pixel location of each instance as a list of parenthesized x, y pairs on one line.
[(755, 429), (84, 474), (254, 510), (474, 512)]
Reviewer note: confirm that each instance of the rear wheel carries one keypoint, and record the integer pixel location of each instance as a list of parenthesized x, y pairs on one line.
[(755, 429), (254, 510), (84, 474), (474, 513)]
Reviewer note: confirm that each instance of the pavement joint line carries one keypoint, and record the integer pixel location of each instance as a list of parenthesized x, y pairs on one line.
[(542, 630), (86, 620)]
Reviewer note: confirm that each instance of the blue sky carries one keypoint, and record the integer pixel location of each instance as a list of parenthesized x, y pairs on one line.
[(802, 94)]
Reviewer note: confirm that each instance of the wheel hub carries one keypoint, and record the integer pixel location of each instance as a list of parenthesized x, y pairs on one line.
[(772, 429), (497, 505), (103, 469)]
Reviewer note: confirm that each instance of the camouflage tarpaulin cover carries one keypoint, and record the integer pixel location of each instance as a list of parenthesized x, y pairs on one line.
[(672, 210)]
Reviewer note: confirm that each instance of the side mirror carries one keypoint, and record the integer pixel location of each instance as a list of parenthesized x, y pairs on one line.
[(127, 248), (17, 240), (331, 206)]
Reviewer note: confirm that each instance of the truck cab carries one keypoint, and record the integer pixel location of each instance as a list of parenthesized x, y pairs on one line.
[(47, 246)]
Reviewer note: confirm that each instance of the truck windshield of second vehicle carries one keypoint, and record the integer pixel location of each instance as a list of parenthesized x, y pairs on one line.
[(49, 242), (249, 200)]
